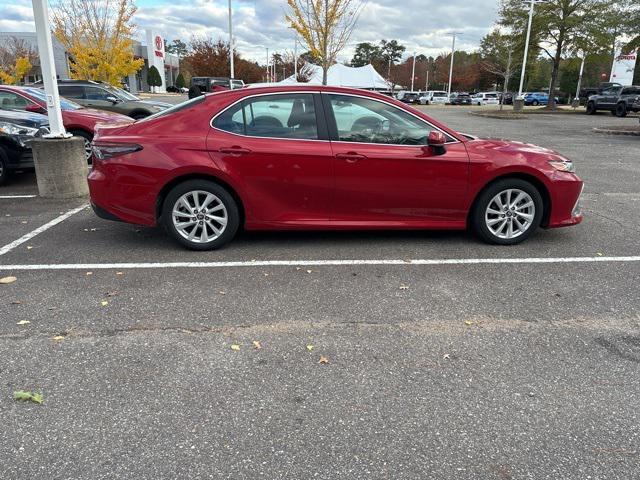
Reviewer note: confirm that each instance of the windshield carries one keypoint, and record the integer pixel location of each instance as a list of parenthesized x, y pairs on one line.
[(41, 96), (122, 94)]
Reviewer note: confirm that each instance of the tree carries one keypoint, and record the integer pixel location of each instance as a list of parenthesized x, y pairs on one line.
[(391, 50), (496, 50), (558, 26), (177, 47), (16, 59), (180, 83), (365, 54), (97, 35), (324, 25), (153, 78)]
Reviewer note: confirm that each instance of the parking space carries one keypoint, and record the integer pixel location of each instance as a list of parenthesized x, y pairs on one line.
[(463, 368)]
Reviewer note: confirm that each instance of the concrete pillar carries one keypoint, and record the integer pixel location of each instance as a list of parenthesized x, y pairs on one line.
[(518, 104), (61, 167)]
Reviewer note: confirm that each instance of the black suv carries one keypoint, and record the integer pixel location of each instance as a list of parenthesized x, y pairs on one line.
[(618, 100), (459, 98), (107, 97), (16, 129)]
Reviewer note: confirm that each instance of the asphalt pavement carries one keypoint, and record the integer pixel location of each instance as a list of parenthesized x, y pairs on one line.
[(496, 369)]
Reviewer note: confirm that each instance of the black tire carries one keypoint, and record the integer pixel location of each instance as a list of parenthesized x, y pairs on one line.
[(535, 103), (87, 137), (4, 167), (224, 197), (481, 204), (621, 110), (591, 108), (139, 115)]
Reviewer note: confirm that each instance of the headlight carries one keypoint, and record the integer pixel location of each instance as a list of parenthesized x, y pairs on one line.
[(13, 129), (563, 166)]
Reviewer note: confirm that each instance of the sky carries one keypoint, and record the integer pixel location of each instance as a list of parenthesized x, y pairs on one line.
[(421, 25)]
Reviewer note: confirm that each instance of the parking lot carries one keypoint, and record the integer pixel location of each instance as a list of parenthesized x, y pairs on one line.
[(398, 355)]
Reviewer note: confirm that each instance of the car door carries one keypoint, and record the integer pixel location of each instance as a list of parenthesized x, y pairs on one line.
[(385, 174), (96, 97), (277, 145), (74, 93), (610, 97)]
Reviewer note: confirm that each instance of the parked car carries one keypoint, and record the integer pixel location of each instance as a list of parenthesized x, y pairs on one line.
[(537, 98), (107, 97), (77, 120), (508, 98), (459, 98), (618, 100), (484, 98), (438, 97), (16, 129), (214, 84), (586, 92), (410, 97), (278, 158)]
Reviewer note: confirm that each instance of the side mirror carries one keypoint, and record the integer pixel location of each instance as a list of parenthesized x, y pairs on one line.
[(35, 108), (112, 99), (436, 141)]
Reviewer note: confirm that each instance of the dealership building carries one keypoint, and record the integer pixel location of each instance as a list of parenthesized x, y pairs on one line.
[(153, 54)]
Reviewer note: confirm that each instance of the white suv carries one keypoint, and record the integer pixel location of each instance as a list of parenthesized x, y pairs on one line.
[(438, 97), (485, 98)]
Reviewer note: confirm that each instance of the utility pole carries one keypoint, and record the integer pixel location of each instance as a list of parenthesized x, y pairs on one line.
[(584, 56), (526, 45), (413, 70), (231, 45), (268, 65), (295, 58), (453, 50)]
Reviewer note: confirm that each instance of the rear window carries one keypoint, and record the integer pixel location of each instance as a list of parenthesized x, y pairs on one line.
[(176, 108)]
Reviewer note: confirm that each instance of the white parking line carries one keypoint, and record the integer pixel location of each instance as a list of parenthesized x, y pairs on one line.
[(25, 238), (310, 263), (6, 197)]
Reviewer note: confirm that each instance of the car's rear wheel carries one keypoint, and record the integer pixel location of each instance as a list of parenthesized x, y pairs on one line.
[(507, 212), (4, 168), (535, 103), (200, 215), (591, 108), (621, 110), (139, 115), (86, 137)]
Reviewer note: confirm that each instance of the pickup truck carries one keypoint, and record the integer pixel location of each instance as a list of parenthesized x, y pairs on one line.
[(618, 100)]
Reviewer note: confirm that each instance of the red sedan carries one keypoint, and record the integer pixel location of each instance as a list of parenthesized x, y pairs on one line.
[(77, 120), (303, 157)]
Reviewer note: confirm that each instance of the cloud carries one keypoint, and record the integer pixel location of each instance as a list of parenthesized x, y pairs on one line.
[(420, 25)]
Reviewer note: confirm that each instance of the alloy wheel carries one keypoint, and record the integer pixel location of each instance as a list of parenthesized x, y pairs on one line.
[(510, 213), (199, 216), (87, 149)]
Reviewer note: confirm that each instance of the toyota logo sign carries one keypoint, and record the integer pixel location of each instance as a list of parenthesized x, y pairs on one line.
[(159, 44)]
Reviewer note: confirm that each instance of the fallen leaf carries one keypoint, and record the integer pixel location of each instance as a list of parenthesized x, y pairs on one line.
[(23, 396), (599, 254), (104, 303), (298, 268), (23, 322), (89, 273), (266, 274), (446, 356), (468, 322), (112, 294), (57, 338), (256, 345), (403, 287), (24, 222), (310, 348), (323, 360), (16, 302), (309, 271), (29, 247), (221, 292), (7, 280), (235, 347), (119, 273)]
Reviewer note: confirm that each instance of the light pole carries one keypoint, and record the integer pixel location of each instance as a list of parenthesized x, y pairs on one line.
[(267, 64), (231, 44), (526, 45), (584, 56), (413, 70), (295, 58), (453, 50)]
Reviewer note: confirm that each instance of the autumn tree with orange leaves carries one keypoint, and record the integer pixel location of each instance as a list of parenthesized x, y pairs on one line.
[(325, 26), (97, 35)]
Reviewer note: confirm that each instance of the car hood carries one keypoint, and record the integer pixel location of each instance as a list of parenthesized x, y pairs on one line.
[(487, 147), (26, 119)]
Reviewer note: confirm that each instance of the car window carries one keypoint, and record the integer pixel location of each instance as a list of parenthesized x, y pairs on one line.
[(95, 93), (12, 101), (71, 91), (274, 116), (370, 121)]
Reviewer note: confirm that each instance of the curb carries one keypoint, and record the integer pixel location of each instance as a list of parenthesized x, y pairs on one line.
[(618, 131), (503, 116)]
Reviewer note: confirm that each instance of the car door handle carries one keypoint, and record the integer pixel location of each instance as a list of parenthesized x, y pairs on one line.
[(350, 157), (236, 151)]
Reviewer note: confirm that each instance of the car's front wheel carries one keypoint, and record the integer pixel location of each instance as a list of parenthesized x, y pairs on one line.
[(200, 215), (621, 110), (507, 212), (591, 108), (4, 168), (535, 103)]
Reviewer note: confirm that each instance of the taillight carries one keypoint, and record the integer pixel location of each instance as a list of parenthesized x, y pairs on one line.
[(104, 151)]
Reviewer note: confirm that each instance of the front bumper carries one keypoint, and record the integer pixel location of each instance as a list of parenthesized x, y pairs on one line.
[(565, 201)]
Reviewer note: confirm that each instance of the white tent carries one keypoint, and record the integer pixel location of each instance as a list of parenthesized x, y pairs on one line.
[(342, 76)]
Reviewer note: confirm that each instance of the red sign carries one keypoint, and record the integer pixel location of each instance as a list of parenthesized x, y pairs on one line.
[(159, 46)]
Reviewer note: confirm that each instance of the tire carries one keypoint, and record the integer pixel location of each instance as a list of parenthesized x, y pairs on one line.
[(494, 228), (222, 205), (591, 108), (535, 103), (87, 137), (621, 110), (139, 115), (4, 168)]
